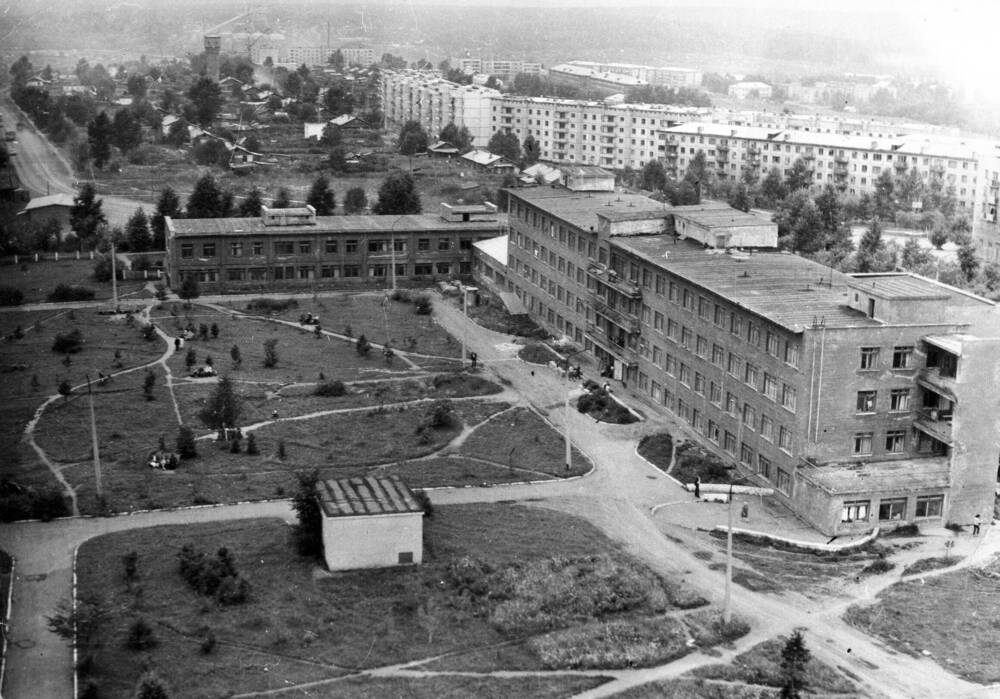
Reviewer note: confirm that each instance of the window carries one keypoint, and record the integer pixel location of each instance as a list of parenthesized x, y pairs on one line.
[(792, 354), (444, 243), (352, 270), (686, 337), (670, 365), (701, 347), (257, 248), (929, 506), (749, 416), (673, 329), (685, 376), (661, 285), (305, 247), (377, 246), (187, 250), (788, 397), (236, 275), (785, 439), (763, 467), (350, 246), (208, 250), (713, 431), (657, 321), (863, 443), (767, 428), (784, 482), (405, 557), (715, 393), (771, 387), (746, 454), (673, 292), (733, 366), (699, 383), (855, 511), (902, 357), (688, 300), (720, 316), (423, 270), (443, 268), (423, 244), (869, 358), (703, 307), (718, 355), (773, 344), (331, 245), (329, 272), (735, 324), (236, 249), (729, 442), (657, 355), (732, 404), (894, 509), (899, 400), (895, 441), (750, 375), (284, 247), (753, 334), (866, 401)]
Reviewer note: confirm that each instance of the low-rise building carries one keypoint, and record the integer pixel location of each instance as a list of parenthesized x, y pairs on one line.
[(52, 207), (748, 90), (295, 248), (370, 523), (665, 76), (862, 400)]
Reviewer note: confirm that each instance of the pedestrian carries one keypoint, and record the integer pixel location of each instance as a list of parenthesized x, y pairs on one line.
[(177, 343), (976, 523), (606, 387), (697, 487), (745, 512), (473, 357), (274, 414)]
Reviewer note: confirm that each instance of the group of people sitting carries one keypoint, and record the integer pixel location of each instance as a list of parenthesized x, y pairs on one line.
[(163, 460), (308, 319)]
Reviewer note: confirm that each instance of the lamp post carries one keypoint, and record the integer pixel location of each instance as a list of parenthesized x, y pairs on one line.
[(727, 612), (465, 314)]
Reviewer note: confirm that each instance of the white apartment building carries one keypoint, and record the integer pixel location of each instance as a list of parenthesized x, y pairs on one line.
[(424, 97), (505, 69), (666, 76), (320, 55), (852, 163)]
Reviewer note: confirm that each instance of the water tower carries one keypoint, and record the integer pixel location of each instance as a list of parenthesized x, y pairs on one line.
[(213, 44)]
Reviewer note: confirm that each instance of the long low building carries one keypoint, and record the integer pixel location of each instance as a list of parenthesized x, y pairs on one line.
[(295, 248), (863, 400)]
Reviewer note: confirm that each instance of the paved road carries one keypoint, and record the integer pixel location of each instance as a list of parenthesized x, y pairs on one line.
[(617, 498), (43, 170)]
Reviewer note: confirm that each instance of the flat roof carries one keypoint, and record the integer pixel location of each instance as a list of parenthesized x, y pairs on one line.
[(902, 285), (789, 290), (901, 475), (580, 209), (355, 497), (495, 248), (362, 225), (50, 200), (719, 215)]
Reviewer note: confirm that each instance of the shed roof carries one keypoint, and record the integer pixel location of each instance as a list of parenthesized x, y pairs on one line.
[(50, 200), (357, 497)]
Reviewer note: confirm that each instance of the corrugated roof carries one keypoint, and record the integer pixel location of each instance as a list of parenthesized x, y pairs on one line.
[(355, 497), (787, 289), (362, 225)]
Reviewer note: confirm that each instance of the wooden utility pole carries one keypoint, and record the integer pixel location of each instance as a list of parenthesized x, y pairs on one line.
[(93, 438)]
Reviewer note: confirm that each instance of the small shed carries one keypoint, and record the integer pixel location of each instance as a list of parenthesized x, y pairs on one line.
[(53, 206), (370, 523)]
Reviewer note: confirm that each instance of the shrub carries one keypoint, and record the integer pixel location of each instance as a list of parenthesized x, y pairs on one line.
[(207, 642), (362, 346), (401, 295), (422, 304), (425, 502), (309, 530), (131, 562), (269, 305), (65, 292), (213, 577), (658, 449), (140, 635), (878, 566), (161, 292), (9, 296), (330, 389), (68, 343), (691, 461), (252, 445), (185, 443), (150, 686), (270, 353), (17, 502), (603, 407), (617, 644)]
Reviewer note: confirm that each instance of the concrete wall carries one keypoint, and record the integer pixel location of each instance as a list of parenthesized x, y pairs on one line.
[(372, 541)]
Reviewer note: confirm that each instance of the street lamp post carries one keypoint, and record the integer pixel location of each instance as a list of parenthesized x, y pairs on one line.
[(727, 612), (465, 314)]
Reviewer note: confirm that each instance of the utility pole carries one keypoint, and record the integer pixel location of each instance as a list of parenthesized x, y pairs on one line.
[(114, 278), (569, 446), (93, 438), (727, 612), (465, 323)]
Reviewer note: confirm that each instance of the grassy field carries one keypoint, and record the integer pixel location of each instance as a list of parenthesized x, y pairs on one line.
[(454, 687), (951, 615), (32, 372), (37, 280), (302, 626)]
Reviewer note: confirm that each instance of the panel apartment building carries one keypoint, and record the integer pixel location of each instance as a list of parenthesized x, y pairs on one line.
[(852, 163), (665, 76), (863, 400), (295, 248), (433, 102)]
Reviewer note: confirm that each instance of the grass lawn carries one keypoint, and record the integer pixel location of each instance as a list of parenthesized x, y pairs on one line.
[(951, 615), (31, 372), (37, 280), (692, 461), (494, 316), (658, 449), (302, 626), (926, 564)]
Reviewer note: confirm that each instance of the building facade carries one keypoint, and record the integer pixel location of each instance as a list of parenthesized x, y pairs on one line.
[(603, 83), (295, 248), (504, 69), (851, 163), (863, 400), (433, 102), (665, 76)]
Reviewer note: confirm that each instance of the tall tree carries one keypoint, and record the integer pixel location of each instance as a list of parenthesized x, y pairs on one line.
[(224, 406), (136, 85), (86, 216), (532, 150), (800, 175), (282, 200), (872, 254), (505, 143), (206, 199), (909, 188), (772, 189), (250, 206), (331, 136), (794, 658), (126, 130), (167, 205), (885, 198), (206, 97), (412, 139), (699, 175), (137, 232), (799, 223), (321, 197), (355, 200), (338, 99), (309, 531), (100, 134), (456, 136), (968, 261), (397, 195), (654, 177)]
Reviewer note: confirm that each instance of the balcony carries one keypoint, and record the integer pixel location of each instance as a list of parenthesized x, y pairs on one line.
[(840, 160), (942, 383), (617, 350), (935, 423), (617, 316), (610, 278), (722, 148)]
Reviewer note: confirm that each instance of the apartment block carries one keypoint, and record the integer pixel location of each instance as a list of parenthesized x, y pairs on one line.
[(424, 97), (862, 400), (320, 55), (664, 76), (851, 163), (295, 248), (985, 226), (504, 69), (603, 83)]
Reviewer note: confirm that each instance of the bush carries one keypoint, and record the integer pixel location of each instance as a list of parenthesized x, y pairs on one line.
[(207, 642), (68, 343), (65, 292), (422, 304), (658, 449), (878, 566), (9, 296), (401, 295), (185, 443), (622, 643), (140, 635), (18, 503), (269, 305), (692, 461), (424, 501), (601, 406), (213, 577), (330, 389)]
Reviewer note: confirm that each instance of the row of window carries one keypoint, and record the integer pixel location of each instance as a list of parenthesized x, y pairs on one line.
[(255, 248), (902, 358), (305, 272), (892, 509), (899, 401), (895, 442)]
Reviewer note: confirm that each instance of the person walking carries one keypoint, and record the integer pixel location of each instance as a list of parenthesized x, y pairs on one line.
[(977, 521), (745, 512), (697, 487)]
